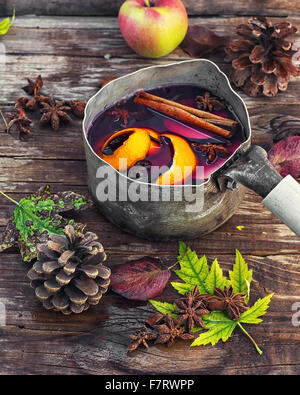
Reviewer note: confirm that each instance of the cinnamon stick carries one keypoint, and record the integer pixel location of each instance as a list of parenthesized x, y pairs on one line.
[(195, 111), (221, 123), (183, 115)]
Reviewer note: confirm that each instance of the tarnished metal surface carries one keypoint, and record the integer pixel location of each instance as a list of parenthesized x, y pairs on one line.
[(254, 170), (168, 220)]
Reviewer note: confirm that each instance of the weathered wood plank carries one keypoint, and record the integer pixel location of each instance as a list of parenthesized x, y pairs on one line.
[(36, 341), (96, 36), (44, 143), (96, 341), (111, 7), (275, 272), (17, 169), (67, 143), (70, 78), (263, 233), (266, 232)]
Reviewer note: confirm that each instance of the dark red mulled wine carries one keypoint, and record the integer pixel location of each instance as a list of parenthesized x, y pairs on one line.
[(209, 149)]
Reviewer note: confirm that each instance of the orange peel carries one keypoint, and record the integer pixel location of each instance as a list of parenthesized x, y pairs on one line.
[(116, 134), (183, 165), (154, 147), (151, 132), (134, 149)]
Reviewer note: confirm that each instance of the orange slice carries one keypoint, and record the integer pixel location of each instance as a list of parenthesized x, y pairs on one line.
[(184, 162), (135, 148)]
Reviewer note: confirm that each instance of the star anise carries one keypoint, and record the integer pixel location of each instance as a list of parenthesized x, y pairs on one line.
[(154, 319), (141, 337), (77, 107), (54, 112), (191, 308), (33, 103), (227, 300), (196, 295), (34, 87), (212, 150), (208, 102), (169, 331), (20, 119), (120, 114)]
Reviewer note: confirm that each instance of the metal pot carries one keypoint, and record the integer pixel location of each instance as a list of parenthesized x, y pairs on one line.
[(172, 218)]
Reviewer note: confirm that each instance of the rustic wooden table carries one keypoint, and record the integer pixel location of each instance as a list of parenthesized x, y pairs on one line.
[(74, 54)]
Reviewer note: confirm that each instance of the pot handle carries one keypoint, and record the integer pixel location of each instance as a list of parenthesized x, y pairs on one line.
[(280, 195)]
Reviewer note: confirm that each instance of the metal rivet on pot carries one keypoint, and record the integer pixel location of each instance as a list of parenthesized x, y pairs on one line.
[(231, 184)]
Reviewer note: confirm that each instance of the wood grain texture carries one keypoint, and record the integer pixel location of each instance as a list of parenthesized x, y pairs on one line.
[(69, 53), (95, 49), (111, 7), (95, 342)]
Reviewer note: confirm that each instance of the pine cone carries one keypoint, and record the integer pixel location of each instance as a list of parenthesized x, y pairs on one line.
[(262, 58), (69, 275)]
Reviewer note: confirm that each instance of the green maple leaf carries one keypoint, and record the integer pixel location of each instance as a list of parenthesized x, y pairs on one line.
[(259, 308), (215, 278), (6, 24), (240, 276), (220, 327), (37, 217), (164, 307), (195, 271)]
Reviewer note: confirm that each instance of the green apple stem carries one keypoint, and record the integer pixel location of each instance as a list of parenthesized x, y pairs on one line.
[(147, 3)]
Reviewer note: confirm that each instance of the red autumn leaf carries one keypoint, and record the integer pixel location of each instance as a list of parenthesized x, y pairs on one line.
[(139, 280), (200, 40), (285, 156)]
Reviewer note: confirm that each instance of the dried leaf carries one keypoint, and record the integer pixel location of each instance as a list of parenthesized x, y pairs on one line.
[(200, 41), (142, 279), (284, 126), (285, 156), (37, 217)]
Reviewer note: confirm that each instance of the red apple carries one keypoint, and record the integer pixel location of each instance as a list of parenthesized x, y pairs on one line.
[(153, 28)]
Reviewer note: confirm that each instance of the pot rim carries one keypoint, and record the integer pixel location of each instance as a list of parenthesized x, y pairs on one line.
[(211, 176)]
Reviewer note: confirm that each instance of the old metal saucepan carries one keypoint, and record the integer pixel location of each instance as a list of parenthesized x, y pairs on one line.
[(170, 219)]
